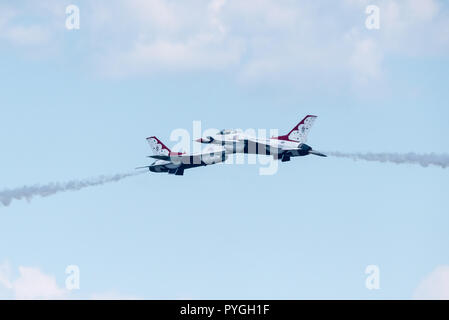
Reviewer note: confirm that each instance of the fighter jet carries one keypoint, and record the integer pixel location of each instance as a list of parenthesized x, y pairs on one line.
[(176, 162), (292, 144)]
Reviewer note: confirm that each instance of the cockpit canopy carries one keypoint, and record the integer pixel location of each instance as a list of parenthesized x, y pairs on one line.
[(229, 131)]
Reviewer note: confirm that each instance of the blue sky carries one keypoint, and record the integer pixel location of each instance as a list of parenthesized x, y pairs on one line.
[(80, 103)]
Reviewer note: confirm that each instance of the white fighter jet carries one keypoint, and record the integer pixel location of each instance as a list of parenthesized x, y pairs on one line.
[(176, 162), (293, 144)]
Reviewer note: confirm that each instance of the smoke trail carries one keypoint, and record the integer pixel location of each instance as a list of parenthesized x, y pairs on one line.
[(440, 160), (28, 192)]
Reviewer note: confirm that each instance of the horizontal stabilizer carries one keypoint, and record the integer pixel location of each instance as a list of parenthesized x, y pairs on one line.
[(160, 157)]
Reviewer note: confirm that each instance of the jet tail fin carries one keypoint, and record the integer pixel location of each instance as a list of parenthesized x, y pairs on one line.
[(300, 131), (157, 146)]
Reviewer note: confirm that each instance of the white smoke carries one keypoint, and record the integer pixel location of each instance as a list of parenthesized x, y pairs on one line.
[(440, 160), (28, 192)]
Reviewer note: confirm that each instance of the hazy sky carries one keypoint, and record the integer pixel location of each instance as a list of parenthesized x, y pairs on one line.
[(80, 103)]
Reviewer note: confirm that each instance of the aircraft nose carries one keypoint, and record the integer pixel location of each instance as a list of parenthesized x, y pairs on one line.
[(208, 139)]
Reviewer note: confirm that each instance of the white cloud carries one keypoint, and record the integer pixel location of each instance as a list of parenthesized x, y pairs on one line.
[(33, 284), (423, 9), (169, 36), (26, 35), (268, 39), (435, 285), (414, 27), (31, 24), (30, 284), (256, 40), (201, 52), (366, 60)]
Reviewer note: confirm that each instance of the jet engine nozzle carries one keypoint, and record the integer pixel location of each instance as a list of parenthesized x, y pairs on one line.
[(317, 153), (306, 149)]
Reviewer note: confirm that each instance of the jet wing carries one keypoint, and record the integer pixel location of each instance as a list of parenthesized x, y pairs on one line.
[(195, 158)]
